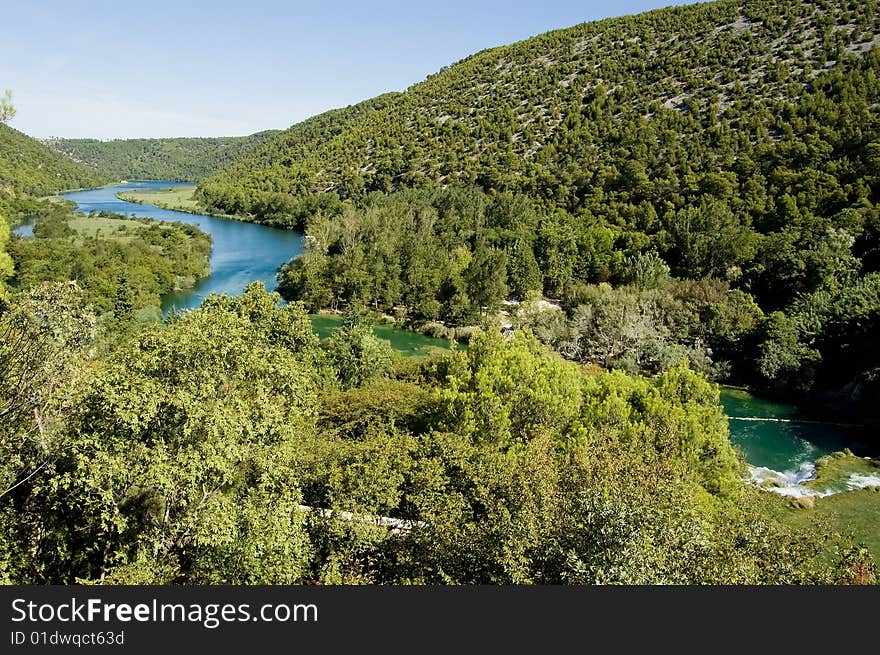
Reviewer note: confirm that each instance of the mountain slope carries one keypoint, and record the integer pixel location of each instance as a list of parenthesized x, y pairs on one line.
[(180, 159), (274, 167), (29, 167), (640, 103)]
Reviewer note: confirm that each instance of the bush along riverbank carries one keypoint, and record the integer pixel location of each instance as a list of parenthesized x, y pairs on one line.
[(120, 264)]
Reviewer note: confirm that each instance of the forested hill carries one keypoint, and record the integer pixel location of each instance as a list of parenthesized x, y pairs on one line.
[(180, 159), (275, 165), (597, 118), (29, 167), (716, 163)]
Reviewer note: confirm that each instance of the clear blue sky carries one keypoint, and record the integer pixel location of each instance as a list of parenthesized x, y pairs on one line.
[(123, 69)]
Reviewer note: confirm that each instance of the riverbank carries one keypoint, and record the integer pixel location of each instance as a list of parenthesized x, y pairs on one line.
[(242, 252), (854, 513), (405, 342), (829, 475), (110, 253), (176, 198)]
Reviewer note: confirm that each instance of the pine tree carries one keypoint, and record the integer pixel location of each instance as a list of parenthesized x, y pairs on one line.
[(123, 304)]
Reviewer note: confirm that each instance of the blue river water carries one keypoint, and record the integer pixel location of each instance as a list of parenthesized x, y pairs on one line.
[(241, 253)]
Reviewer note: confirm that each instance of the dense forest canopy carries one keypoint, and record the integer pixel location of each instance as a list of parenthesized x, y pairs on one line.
[(731, 143), (597, 119), (29, 167), (694, 187), (177, 159), (229, 445)]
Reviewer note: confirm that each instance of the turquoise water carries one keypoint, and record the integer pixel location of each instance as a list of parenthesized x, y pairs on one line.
[(241, 252), (777, 437), (409, 344)]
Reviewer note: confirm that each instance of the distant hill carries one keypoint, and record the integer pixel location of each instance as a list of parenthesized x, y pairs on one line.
[(597, 117), (274, 167), (179, 159), (29, 167)]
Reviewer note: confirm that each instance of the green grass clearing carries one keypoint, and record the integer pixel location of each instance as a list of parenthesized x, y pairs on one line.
[(109, 229), (178, 198), (855, 514)]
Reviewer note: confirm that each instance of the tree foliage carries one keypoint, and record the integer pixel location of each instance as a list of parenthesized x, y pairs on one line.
[(7, 109), (7, 267), (118, 263), (695, 186), (182, 159), (220, 447), (732, 143)]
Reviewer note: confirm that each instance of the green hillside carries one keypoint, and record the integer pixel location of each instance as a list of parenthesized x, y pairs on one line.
[(609, 215), (29, 167), (716, 163), (265, 183), (181, 159), (597, 119)]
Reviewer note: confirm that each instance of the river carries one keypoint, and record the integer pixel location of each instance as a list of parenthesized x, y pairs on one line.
[(241, 253), (778, 443)]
